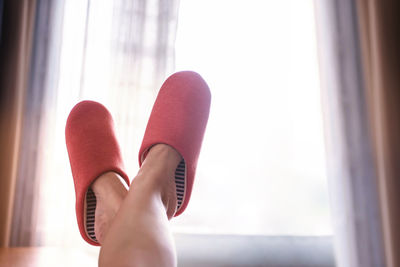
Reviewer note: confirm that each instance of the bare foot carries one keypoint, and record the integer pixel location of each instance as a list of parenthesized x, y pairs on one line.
[(110, 192), (158, 169)]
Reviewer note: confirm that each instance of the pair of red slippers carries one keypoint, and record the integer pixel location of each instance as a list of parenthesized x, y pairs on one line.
[(178, 118)]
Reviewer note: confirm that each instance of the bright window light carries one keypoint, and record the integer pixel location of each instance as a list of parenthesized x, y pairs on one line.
[(262, 168)]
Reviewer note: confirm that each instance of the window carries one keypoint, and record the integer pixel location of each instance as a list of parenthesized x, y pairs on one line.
[(262, 167)]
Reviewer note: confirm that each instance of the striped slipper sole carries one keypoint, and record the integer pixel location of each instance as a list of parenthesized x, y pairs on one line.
[(90, 204), (180, 175)]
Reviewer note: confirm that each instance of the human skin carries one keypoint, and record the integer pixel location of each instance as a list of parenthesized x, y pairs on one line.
[(132, 226)]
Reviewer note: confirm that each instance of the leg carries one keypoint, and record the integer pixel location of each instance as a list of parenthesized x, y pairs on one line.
[(139, 235), (109, 192)]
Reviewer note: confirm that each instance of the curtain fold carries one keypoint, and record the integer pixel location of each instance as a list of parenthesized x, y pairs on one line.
[(380, 34), (350, 152), (41, 85), (16, 39)]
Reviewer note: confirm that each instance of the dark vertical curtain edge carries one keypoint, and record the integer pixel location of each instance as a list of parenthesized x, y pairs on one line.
[(380, 28), (31, 121), (14, 65), (1, 17), (39, 98)]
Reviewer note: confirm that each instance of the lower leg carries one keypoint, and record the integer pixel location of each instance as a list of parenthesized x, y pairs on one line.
[(139, 234)]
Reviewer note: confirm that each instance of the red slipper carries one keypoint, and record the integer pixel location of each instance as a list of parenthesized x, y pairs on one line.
[(93, 150), (179, 118)]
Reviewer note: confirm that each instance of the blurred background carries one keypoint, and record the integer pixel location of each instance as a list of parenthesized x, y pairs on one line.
[(295, 169)]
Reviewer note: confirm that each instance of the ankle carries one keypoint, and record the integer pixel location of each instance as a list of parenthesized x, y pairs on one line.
[(110, 191), (158, 169), (161, 157), (157, 175), (109, 185)]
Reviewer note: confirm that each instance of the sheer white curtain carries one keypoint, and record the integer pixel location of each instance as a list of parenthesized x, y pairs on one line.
[(353, 177), (115, 52)]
